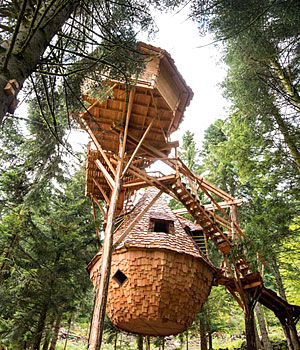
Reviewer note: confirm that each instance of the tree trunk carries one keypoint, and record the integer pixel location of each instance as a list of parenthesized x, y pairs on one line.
[(147, 341), (24, 59), (262, 326), (208, 320), (250, 324), (116, 341), (278, 278), (203, 342), (287, 84), (69, 328), (288, 138), (47, 337), (210, 347), (55, 332), (139, 342), (97, 324), (187, 340), (40, 327), (46, 342), (289, 330), (257, 341)]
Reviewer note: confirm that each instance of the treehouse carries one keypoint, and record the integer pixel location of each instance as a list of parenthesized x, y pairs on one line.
[(159, 276), (149, 113)]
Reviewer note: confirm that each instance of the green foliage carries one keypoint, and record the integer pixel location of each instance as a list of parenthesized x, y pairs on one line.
[(47, 234), (189, 152)]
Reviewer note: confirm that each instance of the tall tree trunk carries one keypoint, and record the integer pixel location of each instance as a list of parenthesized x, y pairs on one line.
[(40, 327), (147, 342), (203, 341), (289, 327), (250, 324), (139, 342), (288, 138), (55, 332), (47, 337), (23, 59), (287, 84), (257, 341), (69, 328), (208, 320), (187, 340), (262, 326), (210, 347), (97, 323)]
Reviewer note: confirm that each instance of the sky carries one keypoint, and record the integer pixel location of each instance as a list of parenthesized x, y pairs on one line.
[(199, 66)]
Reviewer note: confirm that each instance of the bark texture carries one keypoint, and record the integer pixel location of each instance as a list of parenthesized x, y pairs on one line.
[(55, 333), (26, 54), (203, 342), (40, 327), (139, 342), (250, 324), (288, 325), (262, 326)]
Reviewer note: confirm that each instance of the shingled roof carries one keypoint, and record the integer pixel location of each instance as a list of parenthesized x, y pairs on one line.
[(141, 236)]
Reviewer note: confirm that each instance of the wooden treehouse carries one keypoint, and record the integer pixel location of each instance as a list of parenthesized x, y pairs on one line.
[(158, 279)]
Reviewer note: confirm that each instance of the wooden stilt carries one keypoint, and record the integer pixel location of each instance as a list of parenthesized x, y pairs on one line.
[(97, 324)]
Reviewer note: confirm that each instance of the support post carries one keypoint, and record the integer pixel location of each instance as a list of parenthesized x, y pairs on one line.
[(97, 324)]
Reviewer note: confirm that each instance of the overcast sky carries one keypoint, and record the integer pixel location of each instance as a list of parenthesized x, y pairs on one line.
[(200, 67)]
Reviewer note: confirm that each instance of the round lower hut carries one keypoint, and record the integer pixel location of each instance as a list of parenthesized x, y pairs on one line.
[(159, 276)]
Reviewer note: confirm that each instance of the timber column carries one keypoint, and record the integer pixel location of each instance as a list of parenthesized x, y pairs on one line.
[(97, 324)]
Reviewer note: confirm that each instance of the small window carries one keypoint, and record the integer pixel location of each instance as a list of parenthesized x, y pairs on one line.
[(120, 277), (161, 226)]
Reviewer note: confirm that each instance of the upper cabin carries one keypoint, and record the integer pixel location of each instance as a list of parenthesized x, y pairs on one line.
[(159, 98)]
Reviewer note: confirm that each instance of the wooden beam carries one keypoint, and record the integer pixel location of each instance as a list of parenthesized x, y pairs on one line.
[(97, 324), (106, 174), (138, 146), (137, 219), (95, 222), (100, 207), (156, 110), (211, 207), (167, 178), (128, 114), (102, 191), (98, 146)]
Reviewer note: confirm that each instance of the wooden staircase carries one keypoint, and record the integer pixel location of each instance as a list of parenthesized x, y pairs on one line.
[(207, 220), (235, 273)]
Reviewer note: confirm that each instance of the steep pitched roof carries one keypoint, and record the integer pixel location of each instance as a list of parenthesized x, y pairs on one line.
[(141, 237)]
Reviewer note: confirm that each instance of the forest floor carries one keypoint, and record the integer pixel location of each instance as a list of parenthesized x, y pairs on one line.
[(127, 342)]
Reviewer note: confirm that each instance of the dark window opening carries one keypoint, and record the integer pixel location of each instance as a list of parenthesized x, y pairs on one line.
[(161, 226), (120, 277)]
